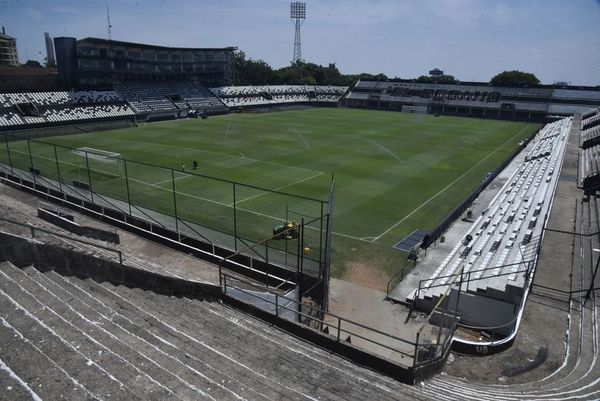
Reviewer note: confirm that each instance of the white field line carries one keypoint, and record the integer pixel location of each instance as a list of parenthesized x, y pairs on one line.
[(299, 135), (240, 157), (217, 202), (228, 128), (242, 209), (278, 188), (170, 179), (380, 146), (446, 187)]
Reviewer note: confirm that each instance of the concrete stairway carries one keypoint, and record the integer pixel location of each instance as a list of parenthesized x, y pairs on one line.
[(66, 338)]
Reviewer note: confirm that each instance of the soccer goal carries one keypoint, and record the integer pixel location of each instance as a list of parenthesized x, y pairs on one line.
[(415, 109), (102, 161)]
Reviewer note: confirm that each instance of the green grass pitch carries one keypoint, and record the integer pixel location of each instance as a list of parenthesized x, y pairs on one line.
[(395, 172)]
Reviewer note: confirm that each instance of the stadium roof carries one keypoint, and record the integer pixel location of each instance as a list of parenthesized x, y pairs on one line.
[(147, 46), (7, 37)]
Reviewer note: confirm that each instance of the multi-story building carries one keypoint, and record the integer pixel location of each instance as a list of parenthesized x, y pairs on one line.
[(93, 62), (8, 50), (49, 50)]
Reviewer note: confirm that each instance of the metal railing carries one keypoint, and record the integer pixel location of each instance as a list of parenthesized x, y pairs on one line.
[(334, 322), (33, 229)]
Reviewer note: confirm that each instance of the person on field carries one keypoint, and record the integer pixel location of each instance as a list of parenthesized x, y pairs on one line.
[(195, 165)]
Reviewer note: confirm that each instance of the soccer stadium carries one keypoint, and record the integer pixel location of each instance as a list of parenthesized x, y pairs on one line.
[(168, 234)]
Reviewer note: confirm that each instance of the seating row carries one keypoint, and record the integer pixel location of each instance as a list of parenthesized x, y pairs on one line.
[(276, 94), (64, 114), (590, 120), (493, 250), (58, 98), (590, 136), (147, 97), (589, 168)]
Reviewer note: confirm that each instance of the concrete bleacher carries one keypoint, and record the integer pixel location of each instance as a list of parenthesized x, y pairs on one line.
[(80, 339), (591, 120), (237, 96), (494, 251), (589, 169)]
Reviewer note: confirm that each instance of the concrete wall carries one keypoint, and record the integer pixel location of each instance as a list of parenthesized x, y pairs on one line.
[(70, 262)]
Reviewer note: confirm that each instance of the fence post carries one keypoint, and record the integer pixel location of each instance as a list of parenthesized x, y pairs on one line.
[(267, 252), (127, 185), (339, 329), (321, 248), (277, 305), (31, 162), (87, 164), (175, 205), (234, 220), (8, 154), (415, 359), (57, 169)]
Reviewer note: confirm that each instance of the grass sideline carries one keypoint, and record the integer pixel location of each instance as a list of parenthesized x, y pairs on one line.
[(395, 172)]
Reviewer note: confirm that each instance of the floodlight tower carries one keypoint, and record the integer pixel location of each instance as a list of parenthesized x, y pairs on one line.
[(298, 15)]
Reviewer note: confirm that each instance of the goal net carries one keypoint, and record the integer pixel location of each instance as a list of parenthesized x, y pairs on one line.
[(415, 109), (102, 161)]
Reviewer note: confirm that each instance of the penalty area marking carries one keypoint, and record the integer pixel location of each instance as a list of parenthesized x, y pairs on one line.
[(299, 135), (171, 180), (242, 209), (278, 188), (446, 187), (380, 146)]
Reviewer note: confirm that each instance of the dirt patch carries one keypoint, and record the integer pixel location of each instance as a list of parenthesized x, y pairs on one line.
[(366, 275)]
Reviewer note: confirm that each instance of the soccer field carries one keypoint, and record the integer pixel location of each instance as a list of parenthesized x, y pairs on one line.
[(395, 172)]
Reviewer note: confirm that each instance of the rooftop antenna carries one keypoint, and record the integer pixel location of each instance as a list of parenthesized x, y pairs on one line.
[(298, 15), (108, 25)]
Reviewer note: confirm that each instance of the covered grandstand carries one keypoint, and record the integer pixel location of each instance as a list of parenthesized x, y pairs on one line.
[(473, 99)]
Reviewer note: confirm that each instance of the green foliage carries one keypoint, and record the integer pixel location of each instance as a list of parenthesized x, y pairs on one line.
[(49, 64), (258, 72), (515, 78), (32, 64), (442, 79)]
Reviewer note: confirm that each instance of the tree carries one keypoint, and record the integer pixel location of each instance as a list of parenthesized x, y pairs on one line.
[(251, 72), (515, 78), (49, 64), (32, 64), (442, 79)]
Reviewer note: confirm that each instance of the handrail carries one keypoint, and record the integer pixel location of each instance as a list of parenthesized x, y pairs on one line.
[(317, 309), (35, 228), (401, 272), (280, 306)]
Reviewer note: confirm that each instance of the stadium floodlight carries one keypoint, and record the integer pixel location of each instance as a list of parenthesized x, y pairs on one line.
[(298, 15), (297, 10)]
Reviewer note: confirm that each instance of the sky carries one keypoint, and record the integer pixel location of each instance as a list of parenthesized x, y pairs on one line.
[(557, 40)]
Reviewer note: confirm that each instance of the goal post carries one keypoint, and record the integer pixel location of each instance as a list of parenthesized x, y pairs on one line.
[(102, 161)]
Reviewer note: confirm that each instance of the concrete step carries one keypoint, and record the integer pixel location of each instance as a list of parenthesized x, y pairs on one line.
[(179, 378), (248, 347), (129, 368), (50, 351)]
